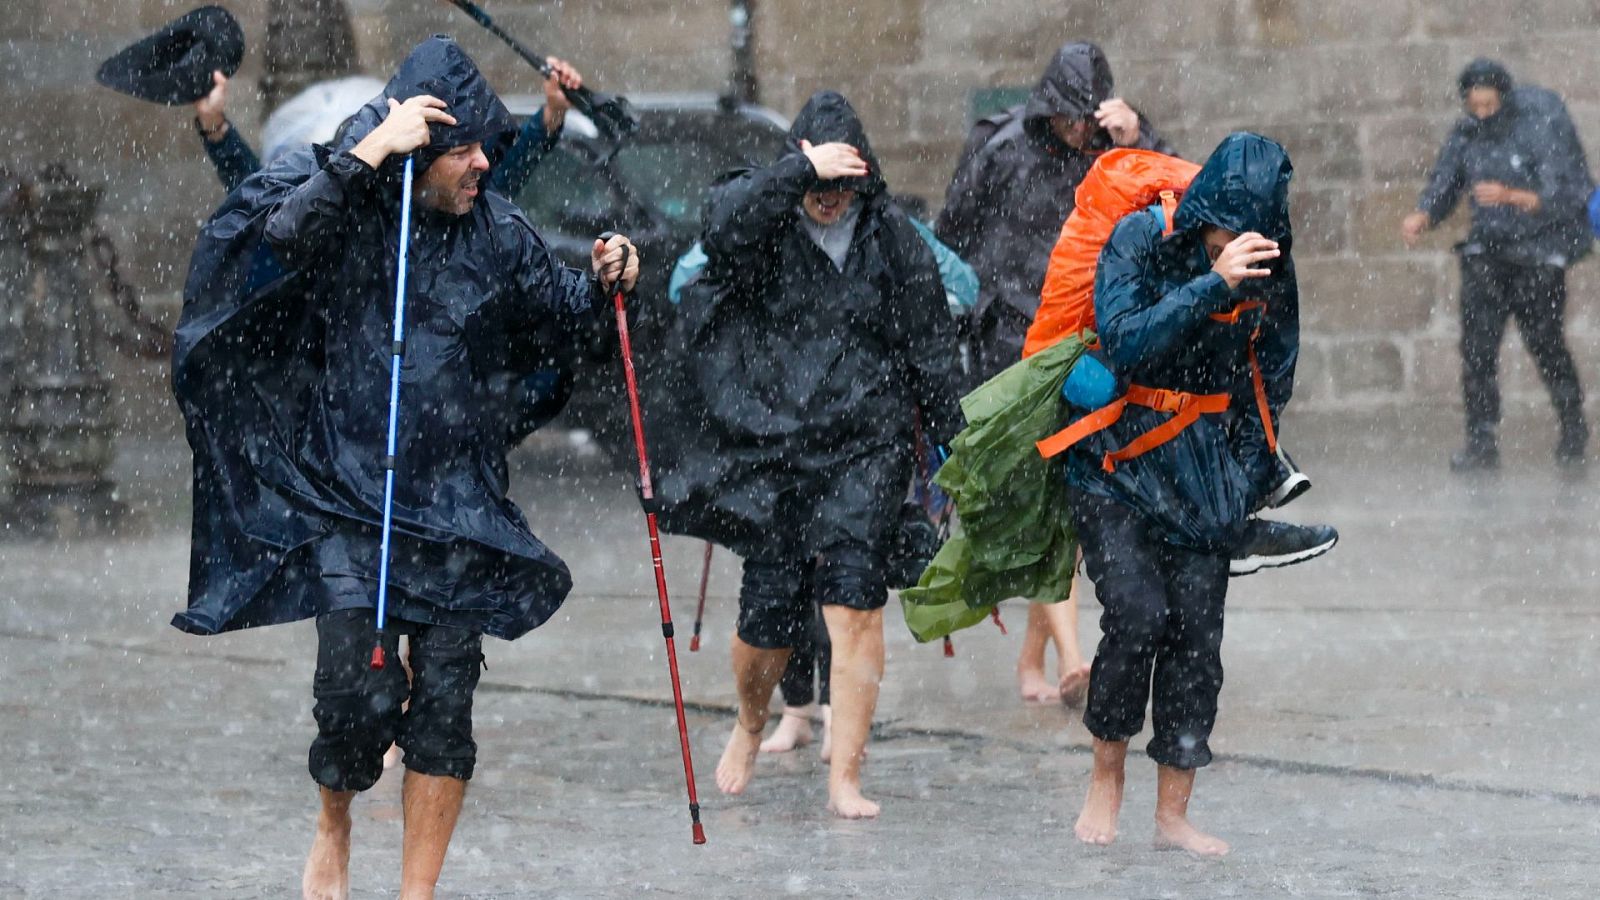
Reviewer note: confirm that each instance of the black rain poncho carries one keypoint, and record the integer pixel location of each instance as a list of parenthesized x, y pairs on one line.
[(281, 370), (803, 374)]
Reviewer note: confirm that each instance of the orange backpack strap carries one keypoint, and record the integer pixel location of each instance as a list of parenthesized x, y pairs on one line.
[(1099, 420), (1186, 409), (1169, 208), (1232, 317)]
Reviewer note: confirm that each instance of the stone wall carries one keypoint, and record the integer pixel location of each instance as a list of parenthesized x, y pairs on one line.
[(1360, 91)]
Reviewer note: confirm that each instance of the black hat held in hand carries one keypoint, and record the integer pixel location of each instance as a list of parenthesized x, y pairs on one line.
[(174, 65)]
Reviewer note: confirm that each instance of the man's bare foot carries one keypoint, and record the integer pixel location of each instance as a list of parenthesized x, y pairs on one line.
[(1034, 687), (1178, 834), (846, 802), (1074, 687), (826, 750), (738, 763), (794, 730), (327, 873), (1097, 824)]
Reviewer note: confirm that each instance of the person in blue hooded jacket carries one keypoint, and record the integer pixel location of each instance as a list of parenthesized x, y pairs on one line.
[(1161, 495), (281, 369)]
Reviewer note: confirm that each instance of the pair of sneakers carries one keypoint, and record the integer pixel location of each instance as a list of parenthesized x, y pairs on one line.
[(1269, 544)]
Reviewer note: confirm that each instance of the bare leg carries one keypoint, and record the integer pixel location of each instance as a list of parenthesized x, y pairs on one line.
[(1063, 620), (857, 637), (432, 805), (1173, 831), (794, 730), (1097, 824), (1031, 681), (327, 872), (755, 674), (826, 750)]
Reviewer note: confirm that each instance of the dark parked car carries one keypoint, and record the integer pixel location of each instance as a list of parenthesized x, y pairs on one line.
[(652, 189)]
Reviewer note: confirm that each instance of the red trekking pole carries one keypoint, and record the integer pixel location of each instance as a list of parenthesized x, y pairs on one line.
[(700, 611), (647, 499)]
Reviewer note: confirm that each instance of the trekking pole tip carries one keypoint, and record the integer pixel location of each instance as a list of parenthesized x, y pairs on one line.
[(699, 834), (694, 644), (377, 657)]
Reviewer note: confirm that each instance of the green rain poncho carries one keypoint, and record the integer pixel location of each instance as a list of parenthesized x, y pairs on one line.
[(1016, 536)]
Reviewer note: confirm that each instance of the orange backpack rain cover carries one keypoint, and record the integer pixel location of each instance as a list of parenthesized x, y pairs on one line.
[(1122, 181)]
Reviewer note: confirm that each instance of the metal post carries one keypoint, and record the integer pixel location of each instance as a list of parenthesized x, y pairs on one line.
[(743, 86)]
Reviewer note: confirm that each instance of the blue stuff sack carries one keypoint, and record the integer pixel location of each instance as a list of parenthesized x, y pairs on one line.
[(1091, 384)]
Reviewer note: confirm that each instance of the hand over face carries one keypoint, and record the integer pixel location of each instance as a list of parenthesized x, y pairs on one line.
[(1237, 261), (1120, 120), (405, 128), (834, 160)]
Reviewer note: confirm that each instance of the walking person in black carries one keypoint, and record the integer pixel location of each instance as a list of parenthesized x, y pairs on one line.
[(1516, 155)]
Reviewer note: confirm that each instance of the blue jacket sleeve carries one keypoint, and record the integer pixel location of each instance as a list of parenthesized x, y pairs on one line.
[(232, 158), (533, 143), (1134, 324), (1446, 181), (1277, 351)]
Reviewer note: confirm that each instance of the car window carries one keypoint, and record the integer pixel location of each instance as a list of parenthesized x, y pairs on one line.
[(566, 186), (674, 175)]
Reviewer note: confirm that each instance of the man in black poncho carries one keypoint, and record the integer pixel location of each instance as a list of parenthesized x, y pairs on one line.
[(821, 332), (281, 370)]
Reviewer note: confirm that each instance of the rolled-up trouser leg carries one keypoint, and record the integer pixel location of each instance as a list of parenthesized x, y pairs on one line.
[(1188, 672), (775, 610), (436, 732), (358, 708), (1123, 559)]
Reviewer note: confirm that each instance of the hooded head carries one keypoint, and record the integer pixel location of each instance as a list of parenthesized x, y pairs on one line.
[(1243, 186), (438, 67), (1072, 87), (828, 118), (1484, 85)]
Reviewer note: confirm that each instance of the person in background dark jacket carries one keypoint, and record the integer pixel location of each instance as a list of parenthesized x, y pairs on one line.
[(234, 160), (1184, 321), (281, 369), (826, 334), (1012, 190), (1517, 157)]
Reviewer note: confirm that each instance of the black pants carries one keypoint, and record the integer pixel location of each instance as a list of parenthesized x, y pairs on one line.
[(1493, 291), (1162, 613), (809, 664), (779, 595), (359, 710)]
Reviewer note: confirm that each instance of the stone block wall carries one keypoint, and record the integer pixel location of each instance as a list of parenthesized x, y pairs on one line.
[(1360, 91)]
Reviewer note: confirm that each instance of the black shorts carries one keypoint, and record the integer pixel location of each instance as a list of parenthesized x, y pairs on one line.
[(778, 596), (360, 711)]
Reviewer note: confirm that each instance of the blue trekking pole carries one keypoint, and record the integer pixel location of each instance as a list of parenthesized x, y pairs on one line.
[(398, 350)]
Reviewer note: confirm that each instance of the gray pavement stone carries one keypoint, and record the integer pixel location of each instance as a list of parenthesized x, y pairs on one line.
[(1413, 716)]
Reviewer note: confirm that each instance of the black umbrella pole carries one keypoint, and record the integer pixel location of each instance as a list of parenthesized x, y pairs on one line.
[(647, 496)]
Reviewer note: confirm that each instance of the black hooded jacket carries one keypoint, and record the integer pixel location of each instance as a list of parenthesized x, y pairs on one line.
[(282, 364), (1015, 183), (800, 367), (1530, 144)]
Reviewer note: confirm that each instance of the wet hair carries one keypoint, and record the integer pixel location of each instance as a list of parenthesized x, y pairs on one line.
[(1484, 72)]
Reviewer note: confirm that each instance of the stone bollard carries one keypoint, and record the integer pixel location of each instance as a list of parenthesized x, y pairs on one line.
[(56, 418)]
